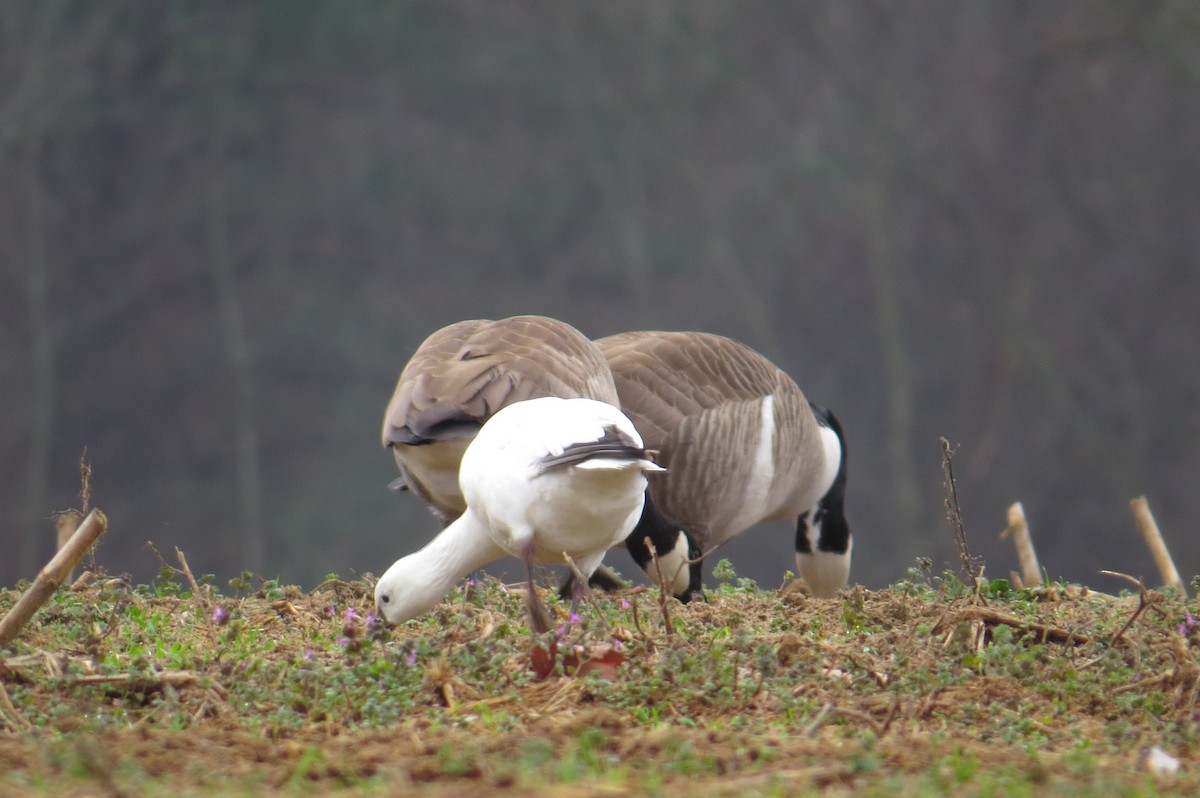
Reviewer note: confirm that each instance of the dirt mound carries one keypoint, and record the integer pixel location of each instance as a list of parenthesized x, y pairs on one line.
[(924, 687)]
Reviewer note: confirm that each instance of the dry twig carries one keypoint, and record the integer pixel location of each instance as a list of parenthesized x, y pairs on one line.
[(954, 513), (52, 575), (9, 710), (191, 580), (67, 521), (1158, 547), (1018, 530), (139, 683), (818, 721), (1044, 633), (1144, 601), (587, 593), (637, 623), (664, 595)]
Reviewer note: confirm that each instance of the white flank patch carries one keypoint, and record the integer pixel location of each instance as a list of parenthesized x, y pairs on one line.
[(833, 459), (762, 475), (825, 572), (674, 565)]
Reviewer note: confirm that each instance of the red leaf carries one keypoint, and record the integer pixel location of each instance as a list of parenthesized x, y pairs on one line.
[(542, 661), (603, 660)]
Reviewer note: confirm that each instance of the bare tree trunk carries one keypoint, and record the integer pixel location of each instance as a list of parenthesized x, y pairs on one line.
[(619, 177), (905, 501), (241, 361), (41, 355), (230, 316), (37, 297)]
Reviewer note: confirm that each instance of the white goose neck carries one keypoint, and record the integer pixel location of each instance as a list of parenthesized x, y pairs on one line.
[(416, 583)]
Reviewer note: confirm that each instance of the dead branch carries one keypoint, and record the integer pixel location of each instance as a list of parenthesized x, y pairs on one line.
[(52, 575), (139, 683), (637, 623), (1158, 547), (846, 712), (1018, 530), (587, 593), (663, 592), (1043, 632), (818, 721), (85, 482), (1144, 601), (67, 521), (954, 513), (8, 710), (85, 579), (191, 580)]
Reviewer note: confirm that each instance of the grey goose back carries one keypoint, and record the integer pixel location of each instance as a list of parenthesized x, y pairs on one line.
[(462, 375), (740, 442)]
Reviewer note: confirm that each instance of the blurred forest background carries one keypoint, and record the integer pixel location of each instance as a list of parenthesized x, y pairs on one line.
[(225, 226)]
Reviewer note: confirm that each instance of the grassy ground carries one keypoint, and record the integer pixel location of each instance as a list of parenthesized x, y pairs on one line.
[(925, 688)]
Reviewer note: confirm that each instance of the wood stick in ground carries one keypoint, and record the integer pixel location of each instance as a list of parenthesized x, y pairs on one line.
[(197, 593), (954, 514), (53, 575), (8, 710), (1018, 530), (1158, 547), (66, 524)]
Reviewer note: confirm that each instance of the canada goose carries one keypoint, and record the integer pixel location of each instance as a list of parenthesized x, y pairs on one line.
[(740, 442), (464, 373), (461, 375), (541, 478)]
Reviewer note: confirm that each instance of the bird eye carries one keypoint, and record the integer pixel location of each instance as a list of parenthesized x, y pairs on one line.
[(385, 598)]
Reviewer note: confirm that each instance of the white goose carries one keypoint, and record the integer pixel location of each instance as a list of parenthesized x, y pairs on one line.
[(741, 444), (542, 477)]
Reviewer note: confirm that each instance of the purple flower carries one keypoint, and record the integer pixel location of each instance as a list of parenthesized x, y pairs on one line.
[(344, 641), (350, 627), (616, 644), (625, 604), (220, 616), (371, 620), (410, 658), (308, 654), (1188, 624), (573, 618)]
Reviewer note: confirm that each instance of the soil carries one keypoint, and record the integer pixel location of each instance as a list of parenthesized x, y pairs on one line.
[(894, 692)]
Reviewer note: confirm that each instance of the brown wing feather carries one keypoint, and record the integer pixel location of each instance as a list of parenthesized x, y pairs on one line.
[(471, 369), (697, 397), (462, 374)]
